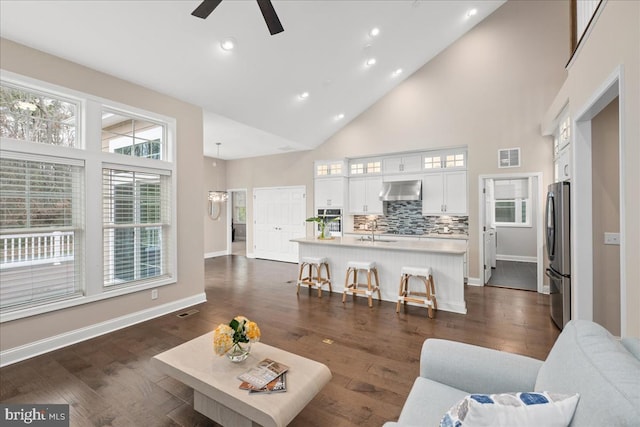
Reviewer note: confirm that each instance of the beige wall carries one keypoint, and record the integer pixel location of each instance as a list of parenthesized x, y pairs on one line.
[(35, 64), (488, 90), (614, 42), (606, 217), (215, 231)]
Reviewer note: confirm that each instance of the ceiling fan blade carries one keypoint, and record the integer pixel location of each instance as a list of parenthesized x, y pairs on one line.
[(270, 16), (205, 8)]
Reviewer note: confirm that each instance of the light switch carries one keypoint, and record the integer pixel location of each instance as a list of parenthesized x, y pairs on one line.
[(612, 239)]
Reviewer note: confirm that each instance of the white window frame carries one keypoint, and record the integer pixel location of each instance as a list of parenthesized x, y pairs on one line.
[(518, 210), (89, 150)]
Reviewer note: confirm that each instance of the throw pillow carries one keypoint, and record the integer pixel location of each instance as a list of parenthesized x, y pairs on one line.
[(512, 409)]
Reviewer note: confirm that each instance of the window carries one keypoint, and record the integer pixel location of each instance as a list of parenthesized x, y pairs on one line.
[(31, 116), (122, 162), (322, 170), (131, 136), (445, 159), (335, 168), (512, 206), (41, 204), (136, 221)]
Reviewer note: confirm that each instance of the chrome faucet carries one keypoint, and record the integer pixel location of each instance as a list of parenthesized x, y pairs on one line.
[(374, 227)]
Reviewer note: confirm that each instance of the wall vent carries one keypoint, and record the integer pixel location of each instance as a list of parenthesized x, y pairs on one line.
[(509, 158)]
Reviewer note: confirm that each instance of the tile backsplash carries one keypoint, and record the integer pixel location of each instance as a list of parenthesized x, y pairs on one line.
[(405, 217)]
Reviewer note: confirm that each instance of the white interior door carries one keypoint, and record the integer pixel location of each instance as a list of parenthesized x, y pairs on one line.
[(279, 216)]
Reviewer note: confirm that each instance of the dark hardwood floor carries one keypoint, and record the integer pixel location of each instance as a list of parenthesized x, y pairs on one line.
[(374, 354)]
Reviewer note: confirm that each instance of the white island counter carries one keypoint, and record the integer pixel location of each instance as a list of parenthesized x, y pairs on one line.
[(445, 257)]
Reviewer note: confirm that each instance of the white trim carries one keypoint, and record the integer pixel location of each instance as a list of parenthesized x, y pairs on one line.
[(517, 258), (230, 216), (17, 354), (539, 222), (215, 254), (581, 199), (251, 255), (474, 281)]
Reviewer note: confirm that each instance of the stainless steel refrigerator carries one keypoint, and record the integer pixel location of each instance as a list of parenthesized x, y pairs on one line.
[(558, 238)]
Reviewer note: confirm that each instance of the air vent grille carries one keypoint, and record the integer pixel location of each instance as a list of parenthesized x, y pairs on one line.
[(509, 158)]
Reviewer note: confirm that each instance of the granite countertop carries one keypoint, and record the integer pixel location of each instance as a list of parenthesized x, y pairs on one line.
[(386, 242), (429, 235)]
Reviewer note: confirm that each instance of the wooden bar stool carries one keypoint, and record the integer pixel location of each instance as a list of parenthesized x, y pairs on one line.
[(428, 298), (353, 287), (311, 280)]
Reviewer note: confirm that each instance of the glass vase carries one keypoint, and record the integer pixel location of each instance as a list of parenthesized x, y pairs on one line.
[(239, 352)]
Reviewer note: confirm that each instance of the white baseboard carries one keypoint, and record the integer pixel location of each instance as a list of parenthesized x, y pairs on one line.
[(36, 348), (474, 281), (251, 255), (518, 258), (215, 254)]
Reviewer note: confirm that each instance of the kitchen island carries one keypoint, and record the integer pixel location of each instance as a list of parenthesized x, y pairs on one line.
[(445, 257)]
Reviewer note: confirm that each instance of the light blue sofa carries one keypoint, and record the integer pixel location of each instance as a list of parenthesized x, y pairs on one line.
[(585, 359)]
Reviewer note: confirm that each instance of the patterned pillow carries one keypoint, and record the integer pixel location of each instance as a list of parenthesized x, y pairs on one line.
[(512, 409)]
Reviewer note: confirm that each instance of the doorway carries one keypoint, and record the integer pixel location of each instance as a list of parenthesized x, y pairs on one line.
[(237, 222), (510, 230), (589, 236)]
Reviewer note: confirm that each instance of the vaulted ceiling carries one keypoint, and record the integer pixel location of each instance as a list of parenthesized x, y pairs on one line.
[(253, 96)]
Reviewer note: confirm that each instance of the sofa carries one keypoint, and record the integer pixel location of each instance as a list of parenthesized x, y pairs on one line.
[(585, 359)]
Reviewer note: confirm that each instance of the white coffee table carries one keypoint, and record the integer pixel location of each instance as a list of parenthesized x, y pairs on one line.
[(215, 386)]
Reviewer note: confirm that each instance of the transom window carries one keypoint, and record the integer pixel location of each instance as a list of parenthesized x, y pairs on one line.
[(322, 170), (454, 160), (124, 134), (374, 167), (357, 168), (32, 116), (433, 162), (335, 169)]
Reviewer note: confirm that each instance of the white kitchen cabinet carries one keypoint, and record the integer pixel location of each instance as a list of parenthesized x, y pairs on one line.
[(562, 165), (444, 193), (329, 192), (329, 168), (403, 164), (364, 196)]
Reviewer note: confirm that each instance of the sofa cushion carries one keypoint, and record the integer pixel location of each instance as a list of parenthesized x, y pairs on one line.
[(587, 359), (526, 409), (427, 402)]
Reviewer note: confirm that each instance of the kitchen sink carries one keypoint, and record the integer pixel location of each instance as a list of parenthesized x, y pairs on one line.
[(368, 239)]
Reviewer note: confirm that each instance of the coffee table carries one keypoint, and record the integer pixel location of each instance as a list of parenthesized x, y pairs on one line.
[(215, 384)]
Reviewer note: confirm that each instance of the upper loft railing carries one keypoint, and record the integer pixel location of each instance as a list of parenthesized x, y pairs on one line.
[(582, 14), (19, 250)]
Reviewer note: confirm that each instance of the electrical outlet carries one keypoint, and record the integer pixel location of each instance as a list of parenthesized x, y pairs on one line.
[(612, 239), (154, 294)]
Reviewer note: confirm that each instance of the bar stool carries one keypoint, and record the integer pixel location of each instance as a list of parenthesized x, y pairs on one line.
[(314, 281), (354, 287), (428, 298)]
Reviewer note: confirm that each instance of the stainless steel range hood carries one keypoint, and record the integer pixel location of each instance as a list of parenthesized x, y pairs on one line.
[(401, 190)]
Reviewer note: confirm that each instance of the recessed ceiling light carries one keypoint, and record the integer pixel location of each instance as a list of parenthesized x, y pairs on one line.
[(303, 95), (228, 44), (369, 62), (397, 72), (374, 32), (339, 116), (472, 12)]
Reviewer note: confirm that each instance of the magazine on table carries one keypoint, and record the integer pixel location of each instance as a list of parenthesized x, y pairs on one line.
[(263, 373), (278, 385)]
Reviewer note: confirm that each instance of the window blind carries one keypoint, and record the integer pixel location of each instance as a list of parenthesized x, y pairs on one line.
[(41, 211), (510, 189), (136, 221)]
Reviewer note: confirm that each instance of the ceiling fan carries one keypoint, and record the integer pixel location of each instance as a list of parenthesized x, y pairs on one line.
[(268, 13)]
